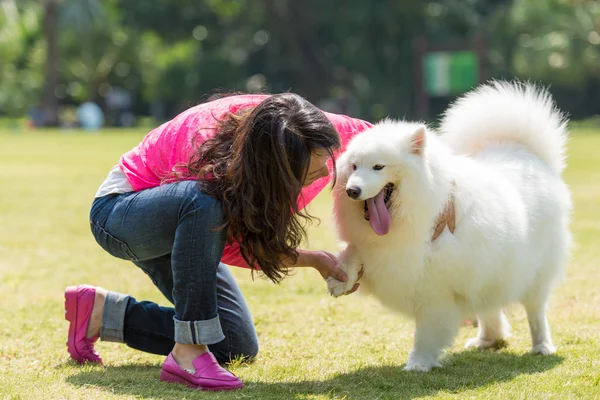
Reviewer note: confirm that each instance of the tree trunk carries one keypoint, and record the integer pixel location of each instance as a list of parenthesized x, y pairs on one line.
[(49, 100)]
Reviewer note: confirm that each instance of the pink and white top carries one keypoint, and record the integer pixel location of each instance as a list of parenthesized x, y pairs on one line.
[(168, 147)]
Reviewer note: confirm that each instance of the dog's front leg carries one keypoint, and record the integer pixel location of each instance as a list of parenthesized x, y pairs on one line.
[(349, 262), (436, 328)]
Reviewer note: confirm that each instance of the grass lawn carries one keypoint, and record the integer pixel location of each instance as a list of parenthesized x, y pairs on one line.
[(312, 346)]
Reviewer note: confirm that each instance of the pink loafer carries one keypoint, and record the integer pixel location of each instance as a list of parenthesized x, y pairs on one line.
[(79, 301), (209, 374)]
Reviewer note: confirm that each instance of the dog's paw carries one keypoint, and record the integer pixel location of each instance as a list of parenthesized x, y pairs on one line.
[(544, 349), (336, 288), (420, 366), (483, 344), (416, 368)]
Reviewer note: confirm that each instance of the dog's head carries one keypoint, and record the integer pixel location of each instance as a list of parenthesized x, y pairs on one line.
[(373, 167)]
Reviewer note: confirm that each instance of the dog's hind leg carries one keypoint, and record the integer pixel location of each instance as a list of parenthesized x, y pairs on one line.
[(535, 302), (535, 305), (436, 329), (493, 330)]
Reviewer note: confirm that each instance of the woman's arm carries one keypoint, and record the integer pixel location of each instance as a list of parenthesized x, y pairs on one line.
[(324, 262)]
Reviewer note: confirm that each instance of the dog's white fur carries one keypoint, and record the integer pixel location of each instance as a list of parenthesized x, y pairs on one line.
[(502, 151)]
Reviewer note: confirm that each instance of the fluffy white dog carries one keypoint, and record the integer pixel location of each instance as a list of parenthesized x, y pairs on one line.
[(500, 154)]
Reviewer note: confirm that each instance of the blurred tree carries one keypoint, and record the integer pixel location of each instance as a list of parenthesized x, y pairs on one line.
[(22, 58), (558, 40), (51, 71), (80, 15), (459, 18), (97, 50), (295, 27), (554, 42), (209, 47), (347, 56)]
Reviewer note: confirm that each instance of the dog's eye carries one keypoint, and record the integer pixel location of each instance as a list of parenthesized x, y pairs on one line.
[(353, 167), (378, 167)]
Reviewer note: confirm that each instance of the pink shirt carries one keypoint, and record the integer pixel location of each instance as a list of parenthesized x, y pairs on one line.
[(172, 144)]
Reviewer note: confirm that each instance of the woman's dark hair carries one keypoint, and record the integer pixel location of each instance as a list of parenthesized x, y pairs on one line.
[(256, 165)]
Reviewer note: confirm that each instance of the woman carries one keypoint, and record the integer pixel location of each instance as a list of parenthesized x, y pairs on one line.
[(223, 182)]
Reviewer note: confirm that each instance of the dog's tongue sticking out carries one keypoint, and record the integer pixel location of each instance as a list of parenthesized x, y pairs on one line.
[(379, 217)]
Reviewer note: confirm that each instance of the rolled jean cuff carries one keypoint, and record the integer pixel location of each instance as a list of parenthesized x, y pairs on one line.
[(113, 317), (198, 332)]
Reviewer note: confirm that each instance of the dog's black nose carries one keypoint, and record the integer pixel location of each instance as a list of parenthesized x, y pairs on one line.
[(353, 192)]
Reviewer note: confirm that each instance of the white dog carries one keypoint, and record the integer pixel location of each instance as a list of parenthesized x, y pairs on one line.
[(500, 154)]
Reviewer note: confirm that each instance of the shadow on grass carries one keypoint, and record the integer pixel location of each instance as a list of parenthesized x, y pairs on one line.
[(463, 371)]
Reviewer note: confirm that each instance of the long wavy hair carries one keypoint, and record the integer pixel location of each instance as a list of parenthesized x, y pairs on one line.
[(256, 164)]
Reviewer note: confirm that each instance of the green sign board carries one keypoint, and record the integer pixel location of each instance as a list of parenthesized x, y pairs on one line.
[(450, 73)]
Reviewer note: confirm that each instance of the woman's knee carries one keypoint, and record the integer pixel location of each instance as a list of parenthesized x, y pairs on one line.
[(247, 351), (236, 347)]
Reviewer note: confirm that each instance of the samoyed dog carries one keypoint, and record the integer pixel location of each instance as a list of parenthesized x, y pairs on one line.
[(499, 155)]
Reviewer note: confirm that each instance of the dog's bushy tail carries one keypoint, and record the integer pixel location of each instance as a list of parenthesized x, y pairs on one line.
[(507, 112)]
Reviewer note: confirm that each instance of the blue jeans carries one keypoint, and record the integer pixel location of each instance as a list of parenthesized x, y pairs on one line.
[(170, 232)]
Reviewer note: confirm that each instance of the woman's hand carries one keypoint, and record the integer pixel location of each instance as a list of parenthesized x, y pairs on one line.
[(327, 265), (323, 261)]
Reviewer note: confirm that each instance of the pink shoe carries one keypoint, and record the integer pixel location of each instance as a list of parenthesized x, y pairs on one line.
[(209, 374), (79, 301)]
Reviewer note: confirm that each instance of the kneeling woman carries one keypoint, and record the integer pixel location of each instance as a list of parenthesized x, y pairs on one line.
[(223, 182)]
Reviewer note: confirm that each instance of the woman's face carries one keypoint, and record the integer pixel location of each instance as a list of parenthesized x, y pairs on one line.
[(317, 168)]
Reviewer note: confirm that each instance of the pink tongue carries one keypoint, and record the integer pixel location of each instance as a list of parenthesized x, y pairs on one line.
[(379, 217)]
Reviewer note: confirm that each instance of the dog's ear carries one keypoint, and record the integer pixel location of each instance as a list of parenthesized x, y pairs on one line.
[(417, 140)]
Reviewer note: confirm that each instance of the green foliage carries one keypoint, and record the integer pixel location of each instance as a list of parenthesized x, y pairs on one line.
[(352, 56), (83, 16), (21, 58), (103, 54), (558, 40)]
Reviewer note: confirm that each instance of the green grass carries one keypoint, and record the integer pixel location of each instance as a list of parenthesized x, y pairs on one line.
[(312, 346)]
